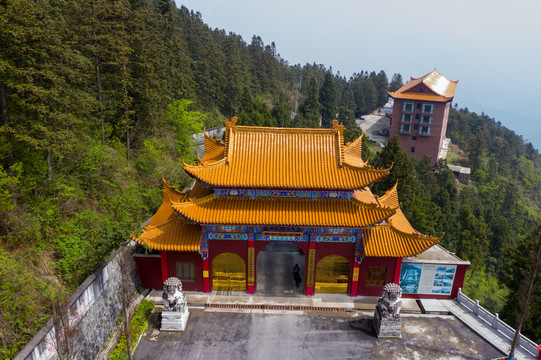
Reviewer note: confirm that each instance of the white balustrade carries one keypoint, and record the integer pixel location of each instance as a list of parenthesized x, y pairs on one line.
[(495, 322)]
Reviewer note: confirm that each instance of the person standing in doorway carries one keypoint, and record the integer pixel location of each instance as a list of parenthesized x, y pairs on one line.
[(297, 275)]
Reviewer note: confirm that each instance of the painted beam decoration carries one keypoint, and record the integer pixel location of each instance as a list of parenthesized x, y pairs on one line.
[(281, 233), (418, 278), (336, 238), (283, 193), (281, 236), (228, 236)]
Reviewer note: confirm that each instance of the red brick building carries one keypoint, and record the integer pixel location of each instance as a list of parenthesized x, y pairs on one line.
[(420, 114)]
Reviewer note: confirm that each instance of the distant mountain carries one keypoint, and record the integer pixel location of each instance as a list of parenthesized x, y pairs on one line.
[(521, 119)]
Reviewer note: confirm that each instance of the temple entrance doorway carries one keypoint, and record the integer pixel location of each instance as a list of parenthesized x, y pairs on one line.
[(332, 275), (275, 264), (228, 273)]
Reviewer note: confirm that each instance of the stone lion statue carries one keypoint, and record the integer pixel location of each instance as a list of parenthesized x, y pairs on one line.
[(389, 304), (173, 297)]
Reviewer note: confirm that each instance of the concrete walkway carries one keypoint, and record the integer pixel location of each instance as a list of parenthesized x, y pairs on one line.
[(245, 334), (361, 306), (485, 330), (371, 123)]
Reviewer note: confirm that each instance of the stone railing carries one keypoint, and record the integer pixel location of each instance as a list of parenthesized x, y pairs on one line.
[(496, 323)]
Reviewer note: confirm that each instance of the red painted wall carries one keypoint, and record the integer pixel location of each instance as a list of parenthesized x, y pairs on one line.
[(149, 270), (239, 247), (174, 256), (375, 290), (216, 247), (424, 144), (346, 250)]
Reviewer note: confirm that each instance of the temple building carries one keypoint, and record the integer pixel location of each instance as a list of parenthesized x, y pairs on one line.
[(420, 114), (304, 188)]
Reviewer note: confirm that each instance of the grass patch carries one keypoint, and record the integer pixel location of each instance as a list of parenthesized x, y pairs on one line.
[(138, 325)]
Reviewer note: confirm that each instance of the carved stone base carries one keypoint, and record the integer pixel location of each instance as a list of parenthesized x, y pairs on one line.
[(388, 326), (174, 320)]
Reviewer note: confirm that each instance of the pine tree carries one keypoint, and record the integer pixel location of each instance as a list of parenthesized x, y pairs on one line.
[(281, 112), (327, 99), (396, 83), (310, 109)]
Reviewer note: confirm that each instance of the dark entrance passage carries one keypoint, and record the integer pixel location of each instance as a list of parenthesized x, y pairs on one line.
[(275, 269)]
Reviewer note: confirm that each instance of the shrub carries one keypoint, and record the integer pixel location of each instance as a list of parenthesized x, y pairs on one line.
[(138, 325)]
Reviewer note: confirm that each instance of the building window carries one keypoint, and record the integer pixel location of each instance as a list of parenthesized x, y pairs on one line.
[(416, 116), (428, 108), (418, 105), (406, 117), (414, 138), (412, 149), (405, 128), (185, 270), (420, 90), (376, 276), (415, 127), (426, 119), (425, 130), (408, 106)]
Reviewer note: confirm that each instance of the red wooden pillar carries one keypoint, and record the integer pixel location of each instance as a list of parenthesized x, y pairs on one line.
[(397, 269), (163, 256), (310, 272), (355, 279), (539, 355), (251, 267), (206, 278)]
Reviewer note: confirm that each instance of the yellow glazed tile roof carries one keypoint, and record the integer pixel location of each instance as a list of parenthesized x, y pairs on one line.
[(365, 195), (165, 213), (282, 211), (214, 149), (166, 231), (260, 157), (390, 198), (386, 241), (396, 237), (174, 235), (197, 191), (443, 88)]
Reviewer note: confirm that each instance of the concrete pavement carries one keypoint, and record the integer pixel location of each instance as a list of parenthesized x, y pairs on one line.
[(374, 122), (485, 330), (234, 335)]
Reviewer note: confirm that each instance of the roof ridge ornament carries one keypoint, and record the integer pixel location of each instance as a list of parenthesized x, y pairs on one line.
[(229, 125), (232, 123), (339, 129)]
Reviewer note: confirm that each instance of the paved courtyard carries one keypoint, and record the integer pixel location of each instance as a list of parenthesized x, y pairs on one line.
[(296, 335)]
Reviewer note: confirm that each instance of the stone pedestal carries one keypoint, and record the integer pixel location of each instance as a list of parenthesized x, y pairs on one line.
[(174, 320), (175, 308), (388, 326)]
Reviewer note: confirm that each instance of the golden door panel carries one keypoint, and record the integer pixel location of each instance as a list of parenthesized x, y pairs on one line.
[(228, 273), (332, 275)]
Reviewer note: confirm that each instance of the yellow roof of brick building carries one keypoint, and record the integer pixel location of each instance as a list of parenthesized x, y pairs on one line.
[(442, 88), (261, 157)]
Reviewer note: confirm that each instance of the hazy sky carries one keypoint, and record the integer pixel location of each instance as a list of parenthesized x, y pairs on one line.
[(492, 47)]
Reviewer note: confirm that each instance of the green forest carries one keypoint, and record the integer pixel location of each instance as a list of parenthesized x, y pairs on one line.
[(99, 98)]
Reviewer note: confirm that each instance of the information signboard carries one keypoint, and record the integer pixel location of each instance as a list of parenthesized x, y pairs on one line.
[(427, 278)]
